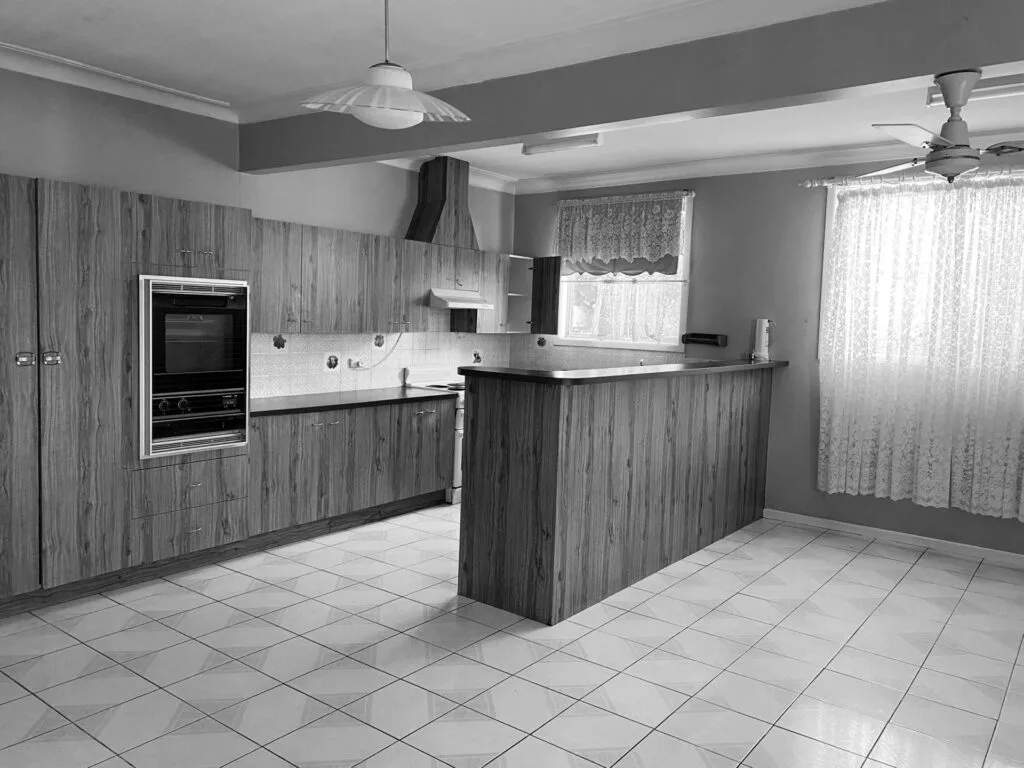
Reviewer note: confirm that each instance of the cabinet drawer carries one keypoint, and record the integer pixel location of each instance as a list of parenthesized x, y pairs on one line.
[(186, 486), (171, 534)]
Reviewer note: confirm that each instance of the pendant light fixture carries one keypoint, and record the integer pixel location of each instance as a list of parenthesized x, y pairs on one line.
[(386, 99)]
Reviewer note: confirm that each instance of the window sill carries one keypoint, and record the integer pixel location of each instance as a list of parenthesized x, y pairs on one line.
[(561, 341)]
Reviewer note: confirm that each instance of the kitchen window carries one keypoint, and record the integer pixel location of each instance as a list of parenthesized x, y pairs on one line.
[(625, 269)]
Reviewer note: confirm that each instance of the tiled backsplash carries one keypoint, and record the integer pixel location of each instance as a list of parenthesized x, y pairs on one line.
[(301, 366)]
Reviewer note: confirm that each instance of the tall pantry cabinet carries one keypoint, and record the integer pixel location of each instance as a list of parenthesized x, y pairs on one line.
[(19, 389), (70, 256)]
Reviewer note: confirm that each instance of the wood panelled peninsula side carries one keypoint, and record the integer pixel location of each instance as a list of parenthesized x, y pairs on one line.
[(579, 484)]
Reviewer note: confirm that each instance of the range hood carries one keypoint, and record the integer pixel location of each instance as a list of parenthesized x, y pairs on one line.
[(444, 298)]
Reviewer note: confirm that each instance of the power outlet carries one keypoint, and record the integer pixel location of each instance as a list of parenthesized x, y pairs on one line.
[(357, 363)]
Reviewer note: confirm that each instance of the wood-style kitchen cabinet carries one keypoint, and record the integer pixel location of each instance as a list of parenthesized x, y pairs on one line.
[(310, 466), (333, 296), (424, 449), (85, 250), (189, 238), (19, 388), (275, 285)]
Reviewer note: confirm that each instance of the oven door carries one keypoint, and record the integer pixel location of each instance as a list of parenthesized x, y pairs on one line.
[(198, 342)]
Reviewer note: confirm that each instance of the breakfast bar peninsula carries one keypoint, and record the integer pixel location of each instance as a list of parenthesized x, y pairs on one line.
[(579, 483)]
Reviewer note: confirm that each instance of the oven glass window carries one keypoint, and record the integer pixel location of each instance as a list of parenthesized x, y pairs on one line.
[(197, 342)]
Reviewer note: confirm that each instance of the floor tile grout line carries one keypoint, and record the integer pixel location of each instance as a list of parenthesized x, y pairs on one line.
[(920, 667), (1002, 705)]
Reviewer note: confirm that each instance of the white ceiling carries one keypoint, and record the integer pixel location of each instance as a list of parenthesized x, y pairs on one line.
[(264, 56), (799, 136)]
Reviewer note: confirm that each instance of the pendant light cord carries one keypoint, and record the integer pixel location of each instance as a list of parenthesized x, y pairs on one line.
[(387, 31)]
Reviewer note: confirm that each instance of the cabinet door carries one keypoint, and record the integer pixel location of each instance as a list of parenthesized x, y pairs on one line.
[(231, 245), (383, 312), (338, 468), (275, 283), (468, 269), (19, 389), (423, 451), (332, 297), (313, 481), (164, 233), (85, 248), (494, 287), (372, 470)]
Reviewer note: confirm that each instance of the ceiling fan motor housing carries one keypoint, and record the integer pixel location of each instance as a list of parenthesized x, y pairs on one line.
[(950, 162)]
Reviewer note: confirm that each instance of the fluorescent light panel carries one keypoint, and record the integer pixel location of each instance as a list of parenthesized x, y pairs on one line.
[(990, 88), (557, 145)]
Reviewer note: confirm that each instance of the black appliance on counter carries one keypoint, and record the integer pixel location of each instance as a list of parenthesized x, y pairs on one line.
[(194, 376)]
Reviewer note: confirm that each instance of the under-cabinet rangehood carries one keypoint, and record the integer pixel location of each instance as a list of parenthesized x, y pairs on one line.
[(446, 298)]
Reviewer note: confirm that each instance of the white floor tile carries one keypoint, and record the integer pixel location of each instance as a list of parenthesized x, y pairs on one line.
[(520, 703), (747, 696), (337, 739), (177, 662), (351, 634), (636, 699), (58, 667), (660, 751), (769, 667), (843, 728), (903, 748), (534, 753), (593, 733), (222, 687), (957, 692), (272, 714), (567, 674), (506, 652), (451, 632), (783, 749), (607, 650), (400, 708), (557, 636), (341, 682), (709, 649), (400, 655), (67, 747), (943, 722), (465, 738), (140, 720), (681, 674), (93, 693), (290, 659), (457, 678), (720, 730)]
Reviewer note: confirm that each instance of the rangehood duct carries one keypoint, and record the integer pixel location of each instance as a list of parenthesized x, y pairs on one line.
[(442, 217)]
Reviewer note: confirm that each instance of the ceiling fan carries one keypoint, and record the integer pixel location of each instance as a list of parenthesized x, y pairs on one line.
[(950, 153)]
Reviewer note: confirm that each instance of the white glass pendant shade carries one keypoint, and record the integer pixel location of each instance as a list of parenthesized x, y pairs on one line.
[(386, 100)]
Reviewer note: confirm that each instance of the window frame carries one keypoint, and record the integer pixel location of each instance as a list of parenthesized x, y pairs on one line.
[(685, 263)]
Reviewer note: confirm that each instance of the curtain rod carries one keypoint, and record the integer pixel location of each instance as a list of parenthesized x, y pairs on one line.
[(668, 195), (917, 178)]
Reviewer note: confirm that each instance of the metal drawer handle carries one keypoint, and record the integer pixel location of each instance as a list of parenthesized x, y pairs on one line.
[(52, 358), (184, 251), (318, 425), (195, 485), (25, 358), (420, 413), (334, 423), (194, 530)]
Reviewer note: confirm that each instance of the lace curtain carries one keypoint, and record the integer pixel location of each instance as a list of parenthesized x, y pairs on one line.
[(626, 235), (922, 344)]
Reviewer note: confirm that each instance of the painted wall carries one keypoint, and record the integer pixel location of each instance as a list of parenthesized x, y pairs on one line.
[(59, 131), (757, 252)]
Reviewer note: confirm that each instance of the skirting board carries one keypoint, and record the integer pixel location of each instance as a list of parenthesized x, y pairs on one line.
[(953, 548)]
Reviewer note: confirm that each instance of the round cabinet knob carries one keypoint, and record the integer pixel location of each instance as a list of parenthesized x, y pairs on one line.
[(183, 404), (163, 406)]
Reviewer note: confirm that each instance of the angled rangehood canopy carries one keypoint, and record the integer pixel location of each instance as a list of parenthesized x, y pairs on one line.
[(445, 298)]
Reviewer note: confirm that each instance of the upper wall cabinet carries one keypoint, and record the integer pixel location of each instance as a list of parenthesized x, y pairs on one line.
[(276, 280), (188, 238), (321, 280)]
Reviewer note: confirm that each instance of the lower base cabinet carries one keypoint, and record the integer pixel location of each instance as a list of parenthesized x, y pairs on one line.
[(310, 466)]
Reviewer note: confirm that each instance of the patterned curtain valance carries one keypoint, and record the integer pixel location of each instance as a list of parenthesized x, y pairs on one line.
[(626, 235)]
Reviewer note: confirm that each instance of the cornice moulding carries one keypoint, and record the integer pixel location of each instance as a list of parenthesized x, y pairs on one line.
[(44, 65)]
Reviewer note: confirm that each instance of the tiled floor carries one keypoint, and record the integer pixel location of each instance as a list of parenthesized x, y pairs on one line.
[(778, 647)]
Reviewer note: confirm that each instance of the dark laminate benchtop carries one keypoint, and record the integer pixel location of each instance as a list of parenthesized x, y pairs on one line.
[(332, 401), (597, 375)]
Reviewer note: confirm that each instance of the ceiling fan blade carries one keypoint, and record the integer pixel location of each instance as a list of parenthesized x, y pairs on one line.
[(914, 135), (1005, 148), (893, 169)]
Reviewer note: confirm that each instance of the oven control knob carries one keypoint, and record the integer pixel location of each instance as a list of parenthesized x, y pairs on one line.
[(183, 404), (163, 406)]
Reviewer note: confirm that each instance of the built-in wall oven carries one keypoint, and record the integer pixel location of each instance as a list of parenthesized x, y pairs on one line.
[(194, 352)]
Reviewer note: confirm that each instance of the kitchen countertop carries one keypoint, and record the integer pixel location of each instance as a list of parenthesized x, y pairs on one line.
[(331, 401), (598, 375)]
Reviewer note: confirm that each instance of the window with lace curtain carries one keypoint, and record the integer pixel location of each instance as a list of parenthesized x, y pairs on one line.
[(625, 267), (921, 347)]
